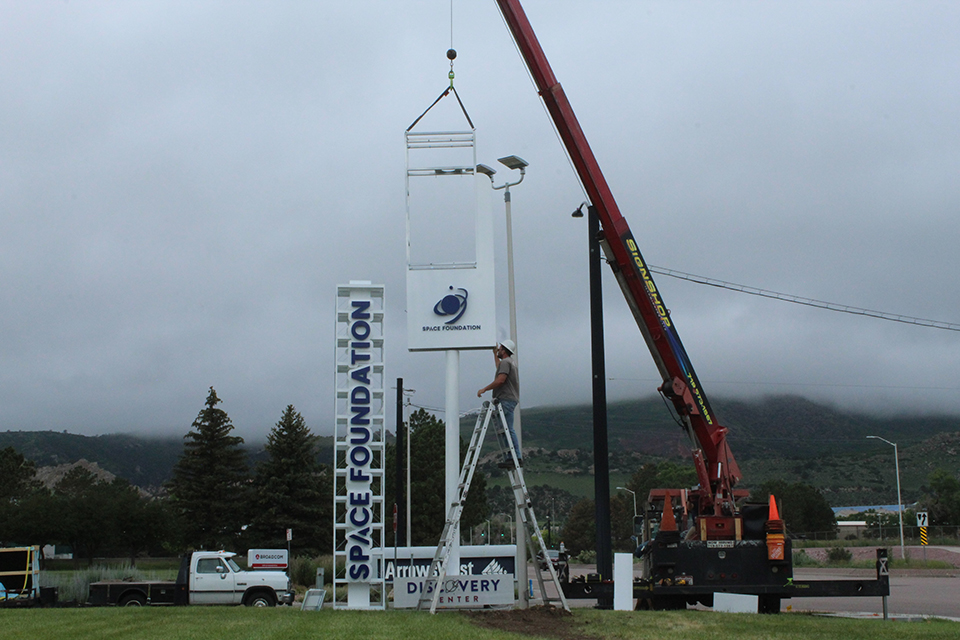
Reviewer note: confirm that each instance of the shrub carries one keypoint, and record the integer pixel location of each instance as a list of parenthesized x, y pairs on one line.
[(839, 554), (303, 570), (802, 559), (587, 556)]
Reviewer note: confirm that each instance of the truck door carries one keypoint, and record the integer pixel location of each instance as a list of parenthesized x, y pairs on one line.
[(213, 582)]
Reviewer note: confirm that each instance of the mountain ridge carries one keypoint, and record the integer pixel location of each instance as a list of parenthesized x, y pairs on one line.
[(788, 437)]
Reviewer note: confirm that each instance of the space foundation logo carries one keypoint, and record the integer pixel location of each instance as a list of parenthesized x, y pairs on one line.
[(452, 305)]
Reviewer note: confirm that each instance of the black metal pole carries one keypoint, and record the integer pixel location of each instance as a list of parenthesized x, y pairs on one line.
[(601, 465), (400, 476)]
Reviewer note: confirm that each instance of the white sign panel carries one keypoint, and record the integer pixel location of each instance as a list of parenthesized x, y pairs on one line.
[(460, 592), (483, 559), (735, 603), (450, 309), (267, 558), (921, 518)]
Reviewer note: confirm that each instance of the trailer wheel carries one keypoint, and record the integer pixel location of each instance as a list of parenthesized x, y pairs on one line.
[(132, 600), (260, 599), (768, 604)]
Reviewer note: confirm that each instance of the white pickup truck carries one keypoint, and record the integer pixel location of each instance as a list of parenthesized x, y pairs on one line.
[(205, 577)]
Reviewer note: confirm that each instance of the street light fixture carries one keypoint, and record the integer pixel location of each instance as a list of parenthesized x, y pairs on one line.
[(896, 459), (514, 162)]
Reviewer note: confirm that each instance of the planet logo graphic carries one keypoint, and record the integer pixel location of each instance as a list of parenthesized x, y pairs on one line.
[(452, 304)]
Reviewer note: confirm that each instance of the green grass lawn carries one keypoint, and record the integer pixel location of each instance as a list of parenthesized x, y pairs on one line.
[(240, 623)]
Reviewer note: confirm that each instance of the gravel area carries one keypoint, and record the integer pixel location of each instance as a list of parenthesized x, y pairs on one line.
[(950, 555)]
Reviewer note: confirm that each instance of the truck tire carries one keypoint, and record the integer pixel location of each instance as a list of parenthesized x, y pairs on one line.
[(132, 600), (260, 599)]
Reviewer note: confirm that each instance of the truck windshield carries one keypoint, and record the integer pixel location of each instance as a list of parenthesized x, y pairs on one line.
[(233, 565)]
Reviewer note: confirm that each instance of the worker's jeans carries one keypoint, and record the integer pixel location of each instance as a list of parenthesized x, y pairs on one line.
[(508, 408)]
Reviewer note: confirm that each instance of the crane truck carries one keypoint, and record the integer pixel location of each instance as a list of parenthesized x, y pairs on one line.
[(728, 546)]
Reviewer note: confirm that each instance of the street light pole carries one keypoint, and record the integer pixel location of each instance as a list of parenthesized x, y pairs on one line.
[(601, 464), (634, 499), (513, 163), (896, 459)]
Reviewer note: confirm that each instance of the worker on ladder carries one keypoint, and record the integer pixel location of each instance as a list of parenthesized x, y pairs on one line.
[(506, 387)]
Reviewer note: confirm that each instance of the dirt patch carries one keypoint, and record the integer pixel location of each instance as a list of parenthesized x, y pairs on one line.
[(544, 621)]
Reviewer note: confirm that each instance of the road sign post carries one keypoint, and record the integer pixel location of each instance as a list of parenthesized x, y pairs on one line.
[(922, 523)]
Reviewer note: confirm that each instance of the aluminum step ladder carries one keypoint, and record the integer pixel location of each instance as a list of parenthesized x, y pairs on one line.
[(451, 528)]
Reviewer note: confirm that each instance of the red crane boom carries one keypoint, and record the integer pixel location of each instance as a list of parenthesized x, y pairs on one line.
[(717, 470)]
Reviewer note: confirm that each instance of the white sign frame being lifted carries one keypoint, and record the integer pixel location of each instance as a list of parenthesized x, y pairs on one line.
[(450, 305)]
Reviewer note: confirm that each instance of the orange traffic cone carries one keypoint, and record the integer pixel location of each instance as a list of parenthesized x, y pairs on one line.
[(776, 545), (774, 513), (668, 522)]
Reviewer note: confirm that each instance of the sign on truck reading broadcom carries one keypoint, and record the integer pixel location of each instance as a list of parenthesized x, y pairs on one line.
[(267, 559)]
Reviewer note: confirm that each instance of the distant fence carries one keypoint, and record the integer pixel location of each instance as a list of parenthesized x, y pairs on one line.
[(910, 533)]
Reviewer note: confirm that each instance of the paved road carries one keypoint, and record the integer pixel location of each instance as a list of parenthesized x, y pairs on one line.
[(912, 593), (931, 594)]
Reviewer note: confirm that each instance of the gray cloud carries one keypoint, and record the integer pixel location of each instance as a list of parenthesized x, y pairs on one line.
[(184, 184)]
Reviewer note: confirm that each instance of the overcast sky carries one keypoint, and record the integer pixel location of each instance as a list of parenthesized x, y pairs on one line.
[(183, 185)]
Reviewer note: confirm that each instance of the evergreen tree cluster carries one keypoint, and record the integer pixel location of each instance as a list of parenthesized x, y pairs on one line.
[(219, 503), (92, 516), (214, 501)]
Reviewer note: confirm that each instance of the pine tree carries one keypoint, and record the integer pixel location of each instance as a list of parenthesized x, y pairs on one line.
[(294, 491), (211, 482), (943, 499), (19, 476)]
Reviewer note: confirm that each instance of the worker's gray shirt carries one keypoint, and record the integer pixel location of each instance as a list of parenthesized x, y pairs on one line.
[(509, 390)]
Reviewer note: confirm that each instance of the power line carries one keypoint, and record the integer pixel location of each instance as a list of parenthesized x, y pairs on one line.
[(745, 383), (809, 302)]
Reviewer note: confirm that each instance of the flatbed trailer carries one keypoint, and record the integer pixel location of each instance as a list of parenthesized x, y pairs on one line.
[(676, 593), (125, 593)]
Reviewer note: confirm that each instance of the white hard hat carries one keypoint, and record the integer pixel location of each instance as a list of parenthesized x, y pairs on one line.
[(510, 346)]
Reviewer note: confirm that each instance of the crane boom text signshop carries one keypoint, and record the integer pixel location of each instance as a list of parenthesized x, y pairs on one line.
[(358, 530)]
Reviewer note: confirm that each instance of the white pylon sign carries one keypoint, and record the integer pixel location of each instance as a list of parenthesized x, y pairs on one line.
[(358, 448), (451, 293)]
